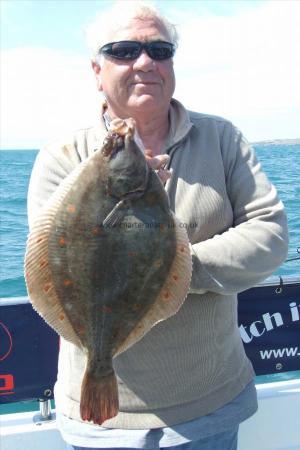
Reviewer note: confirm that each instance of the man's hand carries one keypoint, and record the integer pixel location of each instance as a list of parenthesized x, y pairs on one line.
[(158, 163)]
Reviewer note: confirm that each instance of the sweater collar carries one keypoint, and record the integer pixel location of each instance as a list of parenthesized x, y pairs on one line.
[(180, 124)]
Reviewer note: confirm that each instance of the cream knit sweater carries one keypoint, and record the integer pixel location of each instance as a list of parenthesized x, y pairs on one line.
[(194, 362)]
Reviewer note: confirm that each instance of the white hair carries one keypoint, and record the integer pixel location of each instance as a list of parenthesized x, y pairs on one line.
[(108, 22)]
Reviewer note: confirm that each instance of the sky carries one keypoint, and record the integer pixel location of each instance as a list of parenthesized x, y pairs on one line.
[(238, 59)]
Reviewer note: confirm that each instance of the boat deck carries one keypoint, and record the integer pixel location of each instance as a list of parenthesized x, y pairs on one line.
[(276, 425)]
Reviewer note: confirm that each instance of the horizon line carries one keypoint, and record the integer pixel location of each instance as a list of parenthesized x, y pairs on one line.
[(269, 141)]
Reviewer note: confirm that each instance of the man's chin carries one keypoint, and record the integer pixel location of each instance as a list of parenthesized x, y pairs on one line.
[(145, 102)]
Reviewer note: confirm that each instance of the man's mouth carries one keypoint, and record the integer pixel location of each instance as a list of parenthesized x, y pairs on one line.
[(146, 82)]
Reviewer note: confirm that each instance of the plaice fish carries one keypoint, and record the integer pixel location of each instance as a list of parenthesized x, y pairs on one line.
[(106, 260)]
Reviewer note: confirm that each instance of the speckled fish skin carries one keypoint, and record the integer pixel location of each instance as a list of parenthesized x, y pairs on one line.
[(109, 247), (107, 277)]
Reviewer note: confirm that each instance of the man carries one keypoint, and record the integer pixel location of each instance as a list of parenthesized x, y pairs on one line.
[(188, 383)]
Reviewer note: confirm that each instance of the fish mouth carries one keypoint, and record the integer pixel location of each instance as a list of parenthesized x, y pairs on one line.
[(113, 144), (121, 131)]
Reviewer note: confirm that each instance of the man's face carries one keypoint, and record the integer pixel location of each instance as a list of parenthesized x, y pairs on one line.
[(141, 86)]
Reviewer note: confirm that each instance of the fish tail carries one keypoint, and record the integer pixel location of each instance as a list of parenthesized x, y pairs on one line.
[(99, 398)]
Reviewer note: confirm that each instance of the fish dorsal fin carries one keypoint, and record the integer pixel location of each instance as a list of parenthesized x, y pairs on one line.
[(172, 294), (38, 276)]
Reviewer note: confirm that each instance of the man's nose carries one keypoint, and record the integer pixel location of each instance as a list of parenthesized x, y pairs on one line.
[(144, 62)]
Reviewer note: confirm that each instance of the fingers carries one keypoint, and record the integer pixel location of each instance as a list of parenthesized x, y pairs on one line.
[(158, 164), (164, 175)]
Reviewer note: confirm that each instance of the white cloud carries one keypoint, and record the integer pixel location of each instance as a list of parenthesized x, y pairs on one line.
[(45, 93), (245, 67)]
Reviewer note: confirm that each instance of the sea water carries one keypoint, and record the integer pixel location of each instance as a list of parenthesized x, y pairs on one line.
[(280, 162)]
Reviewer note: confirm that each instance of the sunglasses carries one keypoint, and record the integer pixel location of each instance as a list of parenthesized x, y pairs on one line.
[(130, 50)]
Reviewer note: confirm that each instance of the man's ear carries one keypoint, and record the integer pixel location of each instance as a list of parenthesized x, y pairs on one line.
[(97, 71)]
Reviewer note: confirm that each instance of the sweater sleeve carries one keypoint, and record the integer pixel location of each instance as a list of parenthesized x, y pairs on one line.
[(256, 244)]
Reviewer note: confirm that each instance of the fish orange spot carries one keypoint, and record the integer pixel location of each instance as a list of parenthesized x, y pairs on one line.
[(151, 198), (61, 316), (157, 263), (81, 329), (136, 307), (71, 208), (47, 287), (67, 282), (182, 249), (166, 295), (106, 309), (43, 263), (62, 241), (175, 277), (96, 231)]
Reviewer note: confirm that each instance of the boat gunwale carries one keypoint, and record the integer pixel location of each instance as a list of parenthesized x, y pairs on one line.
[(275, 280)]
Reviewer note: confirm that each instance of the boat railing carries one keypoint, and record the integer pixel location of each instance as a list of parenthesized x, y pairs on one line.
[(269, 323), (28, 355)]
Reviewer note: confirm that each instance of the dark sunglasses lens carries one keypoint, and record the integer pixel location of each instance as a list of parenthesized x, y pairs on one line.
[(123, 50), (160, 50), (130, 50)]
